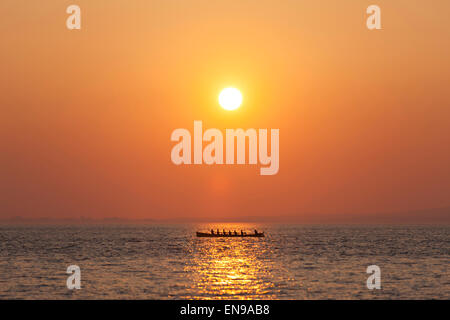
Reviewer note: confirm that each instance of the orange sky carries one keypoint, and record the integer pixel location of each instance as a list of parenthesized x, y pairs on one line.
[(86, 116)]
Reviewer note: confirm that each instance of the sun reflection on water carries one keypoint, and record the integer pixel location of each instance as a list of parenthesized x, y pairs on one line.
[(230, 268)]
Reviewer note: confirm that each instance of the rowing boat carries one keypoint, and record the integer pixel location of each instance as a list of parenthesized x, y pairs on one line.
[(227, 235)]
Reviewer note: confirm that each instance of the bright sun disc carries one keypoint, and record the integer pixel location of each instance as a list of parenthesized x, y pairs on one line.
[(230, 98)]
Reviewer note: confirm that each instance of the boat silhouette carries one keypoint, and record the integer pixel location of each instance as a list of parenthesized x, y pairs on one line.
[(230, 235)]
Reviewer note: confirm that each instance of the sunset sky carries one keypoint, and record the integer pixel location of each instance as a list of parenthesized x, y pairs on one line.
[(86, 115)]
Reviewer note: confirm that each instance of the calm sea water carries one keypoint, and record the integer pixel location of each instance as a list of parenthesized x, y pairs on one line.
[(169, 262)]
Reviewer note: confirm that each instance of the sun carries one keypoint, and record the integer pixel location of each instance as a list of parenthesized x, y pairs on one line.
[(230, 98)]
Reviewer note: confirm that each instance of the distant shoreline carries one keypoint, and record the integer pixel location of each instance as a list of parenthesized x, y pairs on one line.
[(439, 216)]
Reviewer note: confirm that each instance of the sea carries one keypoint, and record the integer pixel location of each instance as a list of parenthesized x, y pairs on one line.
[(168, 261)]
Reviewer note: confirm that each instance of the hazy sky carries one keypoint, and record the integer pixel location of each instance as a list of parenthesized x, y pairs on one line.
[(86, 116)]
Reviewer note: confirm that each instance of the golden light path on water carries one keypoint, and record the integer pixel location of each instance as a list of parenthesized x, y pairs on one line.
[(231, 268)]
